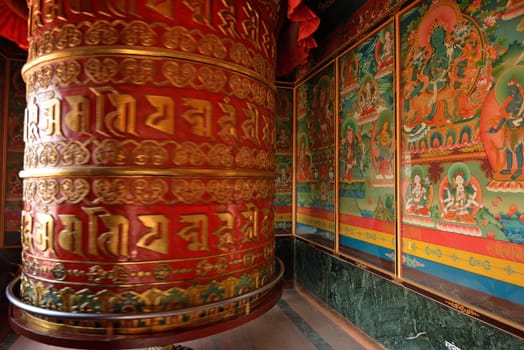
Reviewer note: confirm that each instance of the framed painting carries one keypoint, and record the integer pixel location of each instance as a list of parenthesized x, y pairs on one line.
[(367, 150), (315, 158), (284, 162), (461, 109)]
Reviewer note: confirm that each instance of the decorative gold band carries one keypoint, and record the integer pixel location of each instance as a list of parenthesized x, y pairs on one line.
[(143, 171), (152, 53)]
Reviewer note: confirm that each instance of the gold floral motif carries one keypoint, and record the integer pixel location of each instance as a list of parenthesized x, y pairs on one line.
[(149, 191), (30, 157), (246, 157), (179, 75), (49, 156), (145, 191), (110, 151), (53, 191), (53, 154), (189, 153), (221, 155), (221, 191), (149, 152), (244, 190), (108, 191), (101, 33), (137, 72), (29, 191), (176, 73), (212, 45), (67, 72), (101, 70), (212, 81), (74, 153), (240, 86), (47, 190), (146, 152), (188, 191), (138, 33), (180, 38), (239, 54), (68, 36), (46, 44), (44, 76)]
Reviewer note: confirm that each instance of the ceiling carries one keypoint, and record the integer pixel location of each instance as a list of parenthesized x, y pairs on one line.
[(332, 13)]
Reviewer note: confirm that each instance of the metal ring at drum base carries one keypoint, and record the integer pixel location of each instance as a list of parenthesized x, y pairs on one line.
[(132, 316)]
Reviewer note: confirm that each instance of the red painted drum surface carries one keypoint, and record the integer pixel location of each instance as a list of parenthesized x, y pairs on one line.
[(148, 173)]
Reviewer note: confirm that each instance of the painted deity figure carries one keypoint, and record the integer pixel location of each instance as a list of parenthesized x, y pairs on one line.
[(385, 56), (323, 110), (283, 139), (513, 128), (283, 179), (367, 98), (418, 195), (304, 163), (350, 147), (384, 159), (460, 198)]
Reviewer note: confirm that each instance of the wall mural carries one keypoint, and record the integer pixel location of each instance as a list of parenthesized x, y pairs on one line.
[(462, 139), (283, 161), (315, 171), (367, 150), (14, 156)]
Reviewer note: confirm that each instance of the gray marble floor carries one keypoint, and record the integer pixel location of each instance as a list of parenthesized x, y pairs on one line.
[(297, 322)]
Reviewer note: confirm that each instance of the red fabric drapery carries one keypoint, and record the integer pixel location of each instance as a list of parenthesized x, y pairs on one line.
[(296, 39), (13, 21)]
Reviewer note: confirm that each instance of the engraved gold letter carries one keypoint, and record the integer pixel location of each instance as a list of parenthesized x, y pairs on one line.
[(156, 238), (250, 227), (27, 230), (52, 10), (52, 113), (196, 232), (31, 131), (164, 117), (228, 19), (251, 25), (120, 121), (225, 231), (251, 125), (115, 241), (70, 238), (44, 231), (199, 116), (227, 122), (77, 119)]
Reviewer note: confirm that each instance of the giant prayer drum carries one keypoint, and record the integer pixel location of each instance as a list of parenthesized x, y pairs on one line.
[(148, 171)]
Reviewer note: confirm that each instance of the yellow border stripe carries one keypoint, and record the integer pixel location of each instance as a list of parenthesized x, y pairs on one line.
[(323, 224), (498, 269), (369, 236), (283, 217)]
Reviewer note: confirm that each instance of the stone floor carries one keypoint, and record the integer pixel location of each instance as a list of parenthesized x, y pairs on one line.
[(297, 322)]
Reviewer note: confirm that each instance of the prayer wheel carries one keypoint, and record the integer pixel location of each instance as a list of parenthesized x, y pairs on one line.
[(148, 170)]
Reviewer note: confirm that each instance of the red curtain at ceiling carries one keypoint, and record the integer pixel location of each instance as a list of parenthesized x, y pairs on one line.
[(296, 38), (13, 21)]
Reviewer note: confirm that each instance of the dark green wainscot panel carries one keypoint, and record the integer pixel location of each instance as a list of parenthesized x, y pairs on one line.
[(285, 252), (396, 317)]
